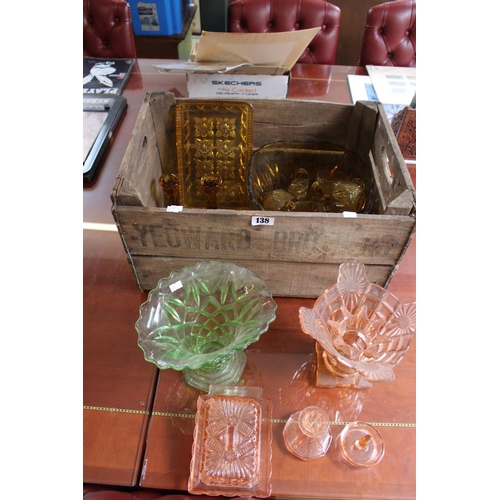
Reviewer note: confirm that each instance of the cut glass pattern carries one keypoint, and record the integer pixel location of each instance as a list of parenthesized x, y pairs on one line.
[(231, 451), (201, 319), (214, 139), (232, 443)]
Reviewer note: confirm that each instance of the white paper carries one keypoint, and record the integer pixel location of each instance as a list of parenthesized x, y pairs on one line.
[(393, 85), (361, 88), (262, 221), (176, 286), (175, 208)]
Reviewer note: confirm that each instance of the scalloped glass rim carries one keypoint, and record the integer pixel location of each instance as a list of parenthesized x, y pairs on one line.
[(184, 285), (361, 366)]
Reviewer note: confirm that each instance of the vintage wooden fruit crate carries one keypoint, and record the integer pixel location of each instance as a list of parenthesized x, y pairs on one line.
[(297, 256)]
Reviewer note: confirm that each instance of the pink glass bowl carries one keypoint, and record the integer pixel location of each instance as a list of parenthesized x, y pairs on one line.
[(362, 330)]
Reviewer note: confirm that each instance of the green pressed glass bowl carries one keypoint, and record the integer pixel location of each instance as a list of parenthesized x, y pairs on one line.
[(201, 318)]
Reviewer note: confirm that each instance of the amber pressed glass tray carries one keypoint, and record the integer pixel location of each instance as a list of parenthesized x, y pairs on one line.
[(214, 138), (232, 443)]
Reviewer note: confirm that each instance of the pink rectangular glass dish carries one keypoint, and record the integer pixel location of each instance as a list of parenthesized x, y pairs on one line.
[(232, 443)]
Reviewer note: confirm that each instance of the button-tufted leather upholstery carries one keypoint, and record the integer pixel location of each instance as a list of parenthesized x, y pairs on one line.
[(263, 16), (390, 37), (107, 29)]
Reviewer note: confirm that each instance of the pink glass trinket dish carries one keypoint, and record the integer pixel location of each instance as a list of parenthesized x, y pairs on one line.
[(362, 331), (231, 453), (307, 433)]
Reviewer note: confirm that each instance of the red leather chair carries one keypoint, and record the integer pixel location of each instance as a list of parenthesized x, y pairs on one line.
[(390, 36), (107, 29), (264, 16)]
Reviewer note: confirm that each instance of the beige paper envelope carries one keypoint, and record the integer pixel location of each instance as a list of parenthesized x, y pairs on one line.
[(267, 49)]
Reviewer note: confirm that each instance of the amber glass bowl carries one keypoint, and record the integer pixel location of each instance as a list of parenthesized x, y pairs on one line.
[(307, 171)]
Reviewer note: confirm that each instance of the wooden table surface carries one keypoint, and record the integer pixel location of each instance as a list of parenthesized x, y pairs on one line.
[(138, 421)]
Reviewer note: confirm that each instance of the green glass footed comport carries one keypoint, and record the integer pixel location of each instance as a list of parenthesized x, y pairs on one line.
[(200, 320)]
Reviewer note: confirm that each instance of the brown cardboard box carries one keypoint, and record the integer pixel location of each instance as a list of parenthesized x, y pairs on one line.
[(243, 65)]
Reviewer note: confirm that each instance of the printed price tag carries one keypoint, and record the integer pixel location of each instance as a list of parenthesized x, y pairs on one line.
[(175, 286), (349, 215), (174, 208), (262, 221)]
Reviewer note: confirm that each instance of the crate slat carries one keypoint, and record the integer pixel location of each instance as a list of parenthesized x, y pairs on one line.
[(283, 278)]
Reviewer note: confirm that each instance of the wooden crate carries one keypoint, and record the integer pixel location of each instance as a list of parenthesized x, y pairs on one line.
[(300, 254)]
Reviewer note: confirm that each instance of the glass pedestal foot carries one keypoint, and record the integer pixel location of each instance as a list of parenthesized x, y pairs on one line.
[(229, 373)]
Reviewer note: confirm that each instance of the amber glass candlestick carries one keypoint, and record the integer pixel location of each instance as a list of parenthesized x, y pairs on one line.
[(170, 184), (211, 185)]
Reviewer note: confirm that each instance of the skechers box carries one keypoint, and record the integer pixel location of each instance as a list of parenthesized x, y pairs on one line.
[(235, 84), (254, 65), (157, 17)]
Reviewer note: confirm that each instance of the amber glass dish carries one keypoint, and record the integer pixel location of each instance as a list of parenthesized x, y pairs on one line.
[(214, 139)]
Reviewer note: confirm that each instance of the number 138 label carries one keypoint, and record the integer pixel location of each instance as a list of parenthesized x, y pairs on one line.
[(262, 221)]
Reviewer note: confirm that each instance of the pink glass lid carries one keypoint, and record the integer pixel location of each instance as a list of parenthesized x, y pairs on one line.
[(361, 444)]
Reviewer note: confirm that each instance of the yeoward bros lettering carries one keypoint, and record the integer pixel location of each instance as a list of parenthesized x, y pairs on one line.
[(213, 240)]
